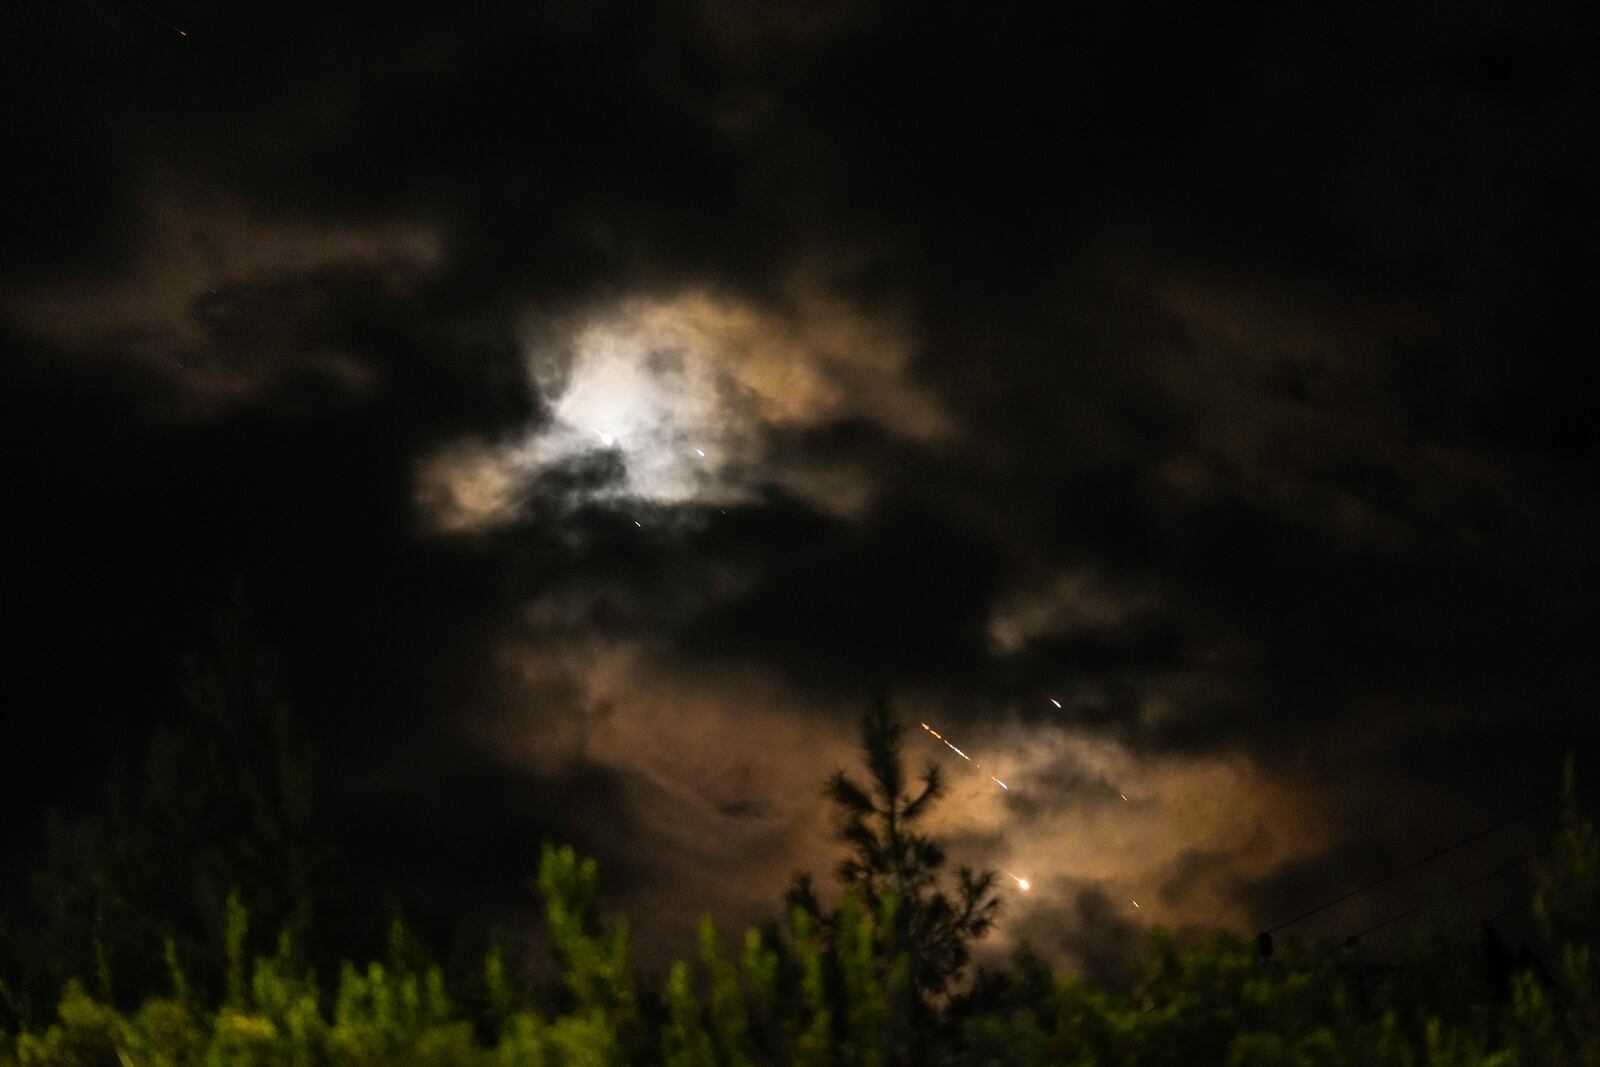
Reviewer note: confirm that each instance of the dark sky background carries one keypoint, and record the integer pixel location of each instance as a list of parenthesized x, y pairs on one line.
[(599, 402)]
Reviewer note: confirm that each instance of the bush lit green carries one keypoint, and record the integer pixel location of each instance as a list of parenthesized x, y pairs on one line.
[(796, 996)]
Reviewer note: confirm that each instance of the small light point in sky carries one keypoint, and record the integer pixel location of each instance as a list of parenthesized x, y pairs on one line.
[(1056, 702), (1136, 903), (699, 453), (639, 524), (1124, 796)]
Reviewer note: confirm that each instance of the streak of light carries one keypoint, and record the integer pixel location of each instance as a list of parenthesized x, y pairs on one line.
[(163, 22), (605, 438), (940, 737), (1135, 903), (1124, 796), (700, 453), (1056, 702), (1022, 883), (639, 524)]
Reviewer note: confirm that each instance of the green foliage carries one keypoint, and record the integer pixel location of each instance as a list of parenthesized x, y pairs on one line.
[(795, 998), (805, 1002), (684, 1040), (593, 953), (812, 1029)]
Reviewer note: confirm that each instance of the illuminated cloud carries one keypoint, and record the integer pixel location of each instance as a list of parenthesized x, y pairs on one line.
[(722, 770), (219, 301), (1071, 602), (688, 393), (468, 486), (1063, 821)]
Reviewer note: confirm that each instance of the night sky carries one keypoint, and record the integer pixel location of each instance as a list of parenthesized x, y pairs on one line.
[(599, 403)]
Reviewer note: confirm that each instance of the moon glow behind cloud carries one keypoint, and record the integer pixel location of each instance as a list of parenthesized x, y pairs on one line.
[(689, 393)]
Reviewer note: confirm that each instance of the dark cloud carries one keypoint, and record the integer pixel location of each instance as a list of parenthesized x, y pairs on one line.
[(1214, 374), (902, 594), (1067, 782)]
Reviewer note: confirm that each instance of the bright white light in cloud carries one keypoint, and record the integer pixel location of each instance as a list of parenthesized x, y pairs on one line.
[(688, 392), (650, 393)]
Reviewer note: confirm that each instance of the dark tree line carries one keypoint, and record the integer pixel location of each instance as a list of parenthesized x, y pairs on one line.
[(220, 804)]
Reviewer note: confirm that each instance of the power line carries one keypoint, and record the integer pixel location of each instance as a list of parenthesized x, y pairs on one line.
[(1513, 865), (1414, 864), (1556, 891)]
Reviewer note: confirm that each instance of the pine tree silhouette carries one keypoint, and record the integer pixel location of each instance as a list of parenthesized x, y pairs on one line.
[(898, 870)]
